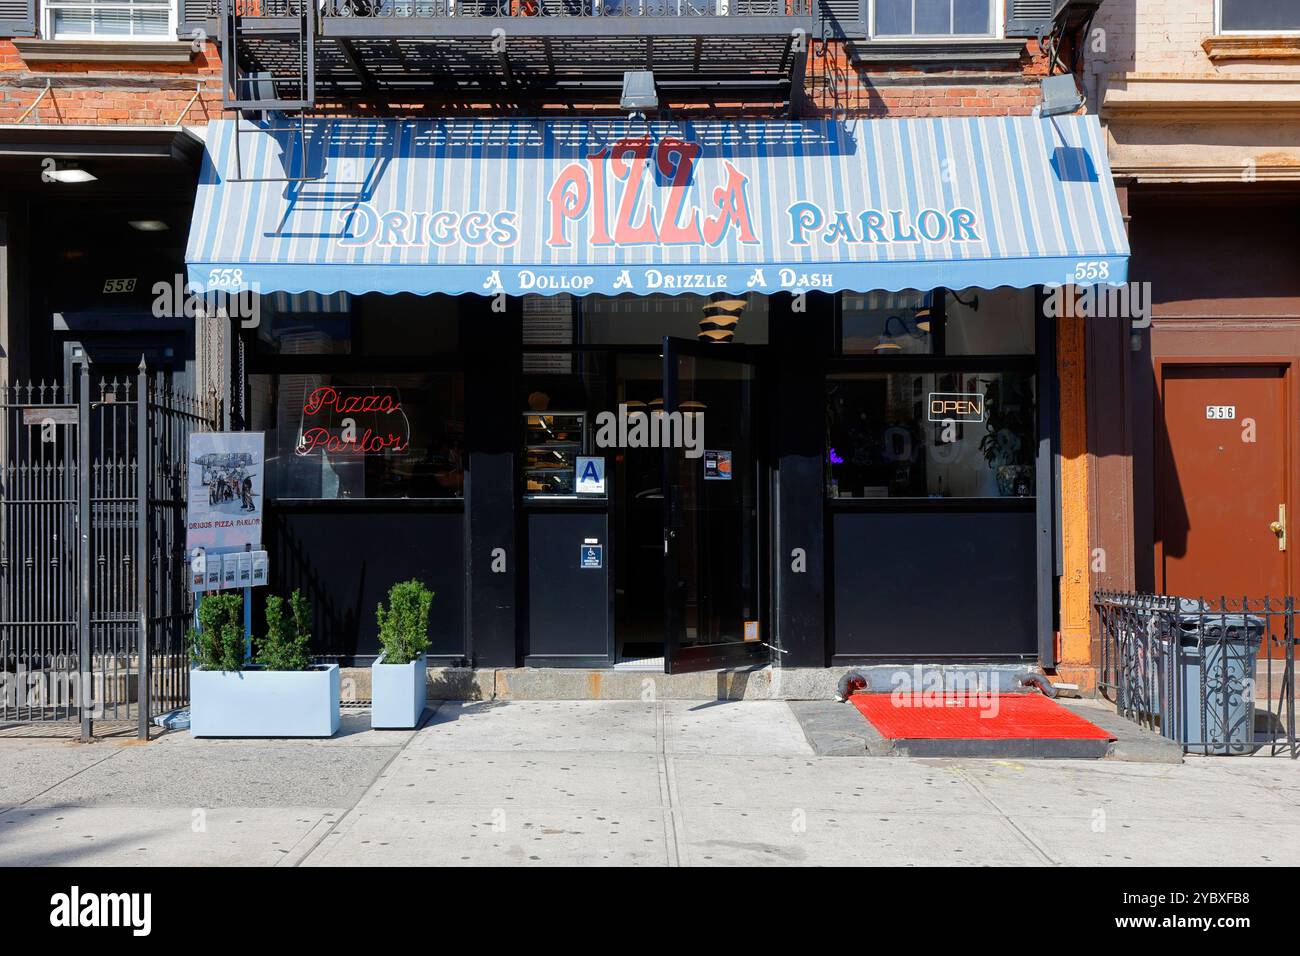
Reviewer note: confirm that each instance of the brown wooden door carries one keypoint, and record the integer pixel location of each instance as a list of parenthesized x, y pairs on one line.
[(1220, 478)]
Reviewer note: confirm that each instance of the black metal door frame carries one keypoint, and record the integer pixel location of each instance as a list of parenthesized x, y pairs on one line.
[(678, 659)]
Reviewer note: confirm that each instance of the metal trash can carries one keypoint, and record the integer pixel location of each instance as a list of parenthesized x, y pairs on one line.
[(1211, 682)]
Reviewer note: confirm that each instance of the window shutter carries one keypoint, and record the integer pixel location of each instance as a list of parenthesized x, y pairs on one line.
[(842, 17), (1025, 17), (196, 15), (18, 18)]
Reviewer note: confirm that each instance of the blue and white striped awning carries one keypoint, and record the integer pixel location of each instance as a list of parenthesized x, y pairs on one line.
[(590, 206)]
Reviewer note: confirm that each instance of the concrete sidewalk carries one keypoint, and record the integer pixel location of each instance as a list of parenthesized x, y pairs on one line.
[(591, 782)]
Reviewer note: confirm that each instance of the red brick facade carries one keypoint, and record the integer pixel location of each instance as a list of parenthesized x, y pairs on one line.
[(835, 86), (91, 94)]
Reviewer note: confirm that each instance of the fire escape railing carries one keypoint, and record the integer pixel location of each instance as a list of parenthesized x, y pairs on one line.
[(271, 50), (518, 9)]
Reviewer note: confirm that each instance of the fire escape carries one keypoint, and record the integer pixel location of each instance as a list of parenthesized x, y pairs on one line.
[(531, 57)]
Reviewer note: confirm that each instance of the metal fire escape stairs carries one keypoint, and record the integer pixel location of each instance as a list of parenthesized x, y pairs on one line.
[(276, 101)]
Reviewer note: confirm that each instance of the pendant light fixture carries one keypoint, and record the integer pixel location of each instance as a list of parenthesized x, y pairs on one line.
[(887, 342), (721, 316)]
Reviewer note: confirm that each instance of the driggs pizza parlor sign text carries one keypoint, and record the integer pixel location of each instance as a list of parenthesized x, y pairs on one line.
[(344, 421)]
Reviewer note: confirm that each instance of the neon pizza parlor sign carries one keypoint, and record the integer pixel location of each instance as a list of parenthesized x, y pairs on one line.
[(342, 434)]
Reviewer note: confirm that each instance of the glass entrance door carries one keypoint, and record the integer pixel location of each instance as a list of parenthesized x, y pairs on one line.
[(713, 588)]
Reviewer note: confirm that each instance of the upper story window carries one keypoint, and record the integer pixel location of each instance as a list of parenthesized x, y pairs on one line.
[(1258, 16), (108, 19), (933, 18)]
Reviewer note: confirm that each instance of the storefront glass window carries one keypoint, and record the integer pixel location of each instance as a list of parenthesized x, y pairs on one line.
[(644, 319), (988, 322), (306, 334), (887, 323), (563, 393), (942, 322), (343, 435), (930, 435), (340, 324)]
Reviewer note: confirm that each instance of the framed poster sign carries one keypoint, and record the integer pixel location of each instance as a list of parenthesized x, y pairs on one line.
[(224, 510)]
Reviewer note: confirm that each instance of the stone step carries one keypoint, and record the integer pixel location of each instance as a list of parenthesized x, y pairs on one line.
[(753, 683)]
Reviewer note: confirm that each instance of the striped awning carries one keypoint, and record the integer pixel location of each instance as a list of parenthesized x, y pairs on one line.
[(588, 206)]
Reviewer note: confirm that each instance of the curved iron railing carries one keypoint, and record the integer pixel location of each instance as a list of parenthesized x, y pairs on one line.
[(1217, 676), (506, 10)]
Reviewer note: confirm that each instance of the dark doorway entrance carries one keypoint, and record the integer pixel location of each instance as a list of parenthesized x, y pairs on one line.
[(687, 516), (677, 520), (712, 508), (638, 504)]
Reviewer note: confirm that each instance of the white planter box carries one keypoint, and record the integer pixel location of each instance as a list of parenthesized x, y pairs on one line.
[(397, 693), (260, 703)]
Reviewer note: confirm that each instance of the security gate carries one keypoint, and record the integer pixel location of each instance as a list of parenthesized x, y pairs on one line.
[(94, 598)]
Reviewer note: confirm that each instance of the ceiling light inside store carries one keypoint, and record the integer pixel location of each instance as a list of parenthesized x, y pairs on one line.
[(149, 225), (69, 174)]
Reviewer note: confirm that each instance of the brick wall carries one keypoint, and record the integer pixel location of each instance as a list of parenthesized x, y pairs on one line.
[(1152, 36), (835, 85), (87, 94)]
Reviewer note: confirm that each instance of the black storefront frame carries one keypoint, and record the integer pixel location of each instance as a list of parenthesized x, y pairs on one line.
[(759, 356), (604, 506), (799, 606), (247, 361), (1047, 547)]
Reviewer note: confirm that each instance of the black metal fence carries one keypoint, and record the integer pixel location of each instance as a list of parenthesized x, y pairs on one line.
[(1218, 677), (94, 600)]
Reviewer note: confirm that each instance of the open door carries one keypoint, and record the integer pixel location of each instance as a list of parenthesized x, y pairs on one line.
[(713, 596)]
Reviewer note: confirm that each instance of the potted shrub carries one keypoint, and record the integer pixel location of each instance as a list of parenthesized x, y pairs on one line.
[(397, 677), (283, 695)]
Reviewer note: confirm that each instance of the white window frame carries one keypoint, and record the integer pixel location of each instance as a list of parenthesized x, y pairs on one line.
[(48, 8), (998, 12), (1275, 31)]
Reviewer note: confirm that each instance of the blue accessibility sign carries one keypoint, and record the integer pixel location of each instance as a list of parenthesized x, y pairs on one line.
[(593, 556)]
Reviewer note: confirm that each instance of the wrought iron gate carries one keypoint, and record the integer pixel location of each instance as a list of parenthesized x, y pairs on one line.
[(94, 597)]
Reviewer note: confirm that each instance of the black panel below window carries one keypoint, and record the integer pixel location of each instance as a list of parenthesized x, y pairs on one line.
[(568, 604), (345, 564), (933, 583)]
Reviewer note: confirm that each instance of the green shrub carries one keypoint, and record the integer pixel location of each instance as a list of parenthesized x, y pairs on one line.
[(404, 624), (285, 647), (218, 644)]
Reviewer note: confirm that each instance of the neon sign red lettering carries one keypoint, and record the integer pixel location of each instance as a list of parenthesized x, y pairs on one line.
[(341, 437), (367, 443), (326, 398)]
